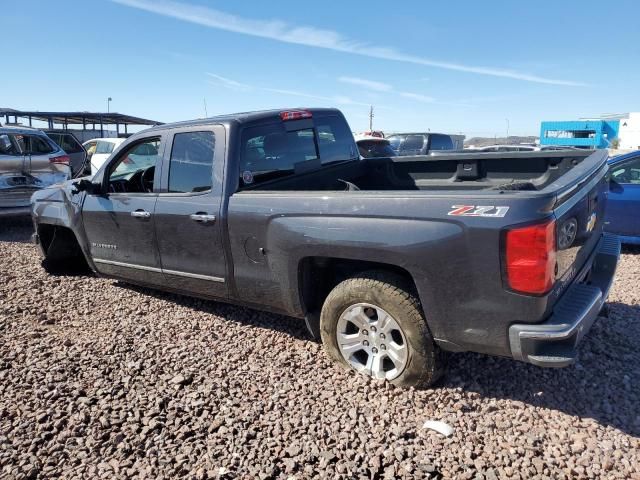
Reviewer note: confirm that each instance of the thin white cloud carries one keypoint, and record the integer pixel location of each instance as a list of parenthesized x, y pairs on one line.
[(332, 100), (368, 84), (417, 96), (238, 86), (315, 37), (232, 84), (385, 87)]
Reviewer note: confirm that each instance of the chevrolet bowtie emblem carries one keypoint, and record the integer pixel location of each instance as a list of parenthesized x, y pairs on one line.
[(592, 222)]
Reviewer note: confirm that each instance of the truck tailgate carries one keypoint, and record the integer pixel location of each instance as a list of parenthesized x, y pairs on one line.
[(579, 212)]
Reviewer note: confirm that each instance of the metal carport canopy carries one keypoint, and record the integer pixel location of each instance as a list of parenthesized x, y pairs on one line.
[(78, 118)]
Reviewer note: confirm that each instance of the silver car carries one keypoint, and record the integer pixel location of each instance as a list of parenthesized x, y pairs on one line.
[(29, 161)]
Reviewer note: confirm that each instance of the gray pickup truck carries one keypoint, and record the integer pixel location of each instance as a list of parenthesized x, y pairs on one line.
[(392, 262)]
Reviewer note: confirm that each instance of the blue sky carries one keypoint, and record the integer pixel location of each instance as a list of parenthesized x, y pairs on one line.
[(456, 66)]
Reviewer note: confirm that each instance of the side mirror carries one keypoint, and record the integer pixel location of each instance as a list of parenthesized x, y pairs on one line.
[(88, 186)]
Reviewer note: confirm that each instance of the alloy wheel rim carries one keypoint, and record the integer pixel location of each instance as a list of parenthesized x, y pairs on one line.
[(372, 342)]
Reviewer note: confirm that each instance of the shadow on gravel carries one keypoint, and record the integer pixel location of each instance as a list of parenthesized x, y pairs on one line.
[(16, 229), (602, 385), (248, 316), (631, 249)]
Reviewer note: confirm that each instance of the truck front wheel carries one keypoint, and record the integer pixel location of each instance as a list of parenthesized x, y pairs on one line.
[(373, 323)]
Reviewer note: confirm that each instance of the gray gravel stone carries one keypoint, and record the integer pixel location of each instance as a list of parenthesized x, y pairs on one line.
[(99, 379)]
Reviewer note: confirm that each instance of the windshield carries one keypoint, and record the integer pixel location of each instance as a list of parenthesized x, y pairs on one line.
[(104, 147)]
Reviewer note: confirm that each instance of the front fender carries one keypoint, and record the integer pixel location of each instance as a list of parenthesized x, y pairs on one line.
[(61, 205)]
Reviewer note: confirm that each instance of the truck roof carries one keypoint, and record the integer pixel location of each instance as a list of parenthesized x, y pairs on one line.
[(242, 117)]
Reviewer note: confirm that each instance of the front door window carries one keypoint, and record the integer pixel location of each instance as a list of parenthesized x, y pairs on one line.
[(134, 171)]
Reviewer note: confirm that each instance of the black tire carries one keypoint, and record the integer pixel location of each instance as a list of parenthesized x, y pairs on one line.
[(426, 362)]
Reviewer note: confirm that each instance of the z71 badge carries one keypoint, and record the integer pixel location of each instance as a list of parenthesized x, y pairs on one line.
[(478, 211)]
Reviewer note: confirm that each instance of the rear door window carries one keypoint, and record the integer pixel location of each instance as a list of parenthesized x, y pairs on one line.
[(440, 142), (191, 163), (37, 145)]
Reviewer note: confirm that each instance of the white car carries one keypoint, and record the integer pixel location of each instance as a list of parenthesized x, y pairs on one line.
[(99, 150)]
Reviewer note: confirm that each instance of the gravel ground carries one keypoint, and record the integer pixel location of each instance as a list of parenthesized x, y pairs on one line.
[(102, 380)]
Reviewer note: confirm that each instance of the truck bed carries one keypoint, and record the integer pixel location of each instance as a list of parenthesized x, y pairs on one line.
[(529, 171)]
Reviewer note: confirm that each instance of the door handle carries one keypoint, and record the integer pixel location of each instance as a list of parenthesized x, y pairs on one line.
[(140, 214), (202, 217)]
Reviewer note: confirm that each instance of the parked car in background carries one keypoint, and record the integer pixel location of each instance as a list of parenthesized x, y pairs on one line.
[(99, 149), (374, 147), (29, 161), (518, 148), (506, 148), (544, 148), (406, 144), (70, 144), (623, 207)]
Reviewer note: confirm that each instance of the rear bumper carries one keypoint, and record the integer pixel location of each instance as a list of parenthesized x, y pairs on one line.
[(554, 342), (628, 240)]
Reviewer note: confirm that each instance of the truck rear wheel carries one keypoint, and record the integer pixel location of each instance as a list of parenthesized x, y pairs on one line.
[(373, 323)]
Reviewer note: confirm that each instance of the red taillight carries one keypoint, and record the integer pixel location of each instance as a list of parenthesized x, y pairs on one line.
[(530, 254), (60, 160), (295, 115)]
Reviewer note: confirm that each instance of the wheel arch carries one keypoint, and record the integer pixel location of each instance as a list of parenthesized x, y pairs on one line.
[(59, 242), (318, 275)]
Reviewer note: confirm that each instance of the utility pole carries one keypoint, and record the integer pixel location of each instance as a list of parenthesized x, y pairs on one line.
[(371, 119), (108, 102), (507, 120), (206, 115)]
